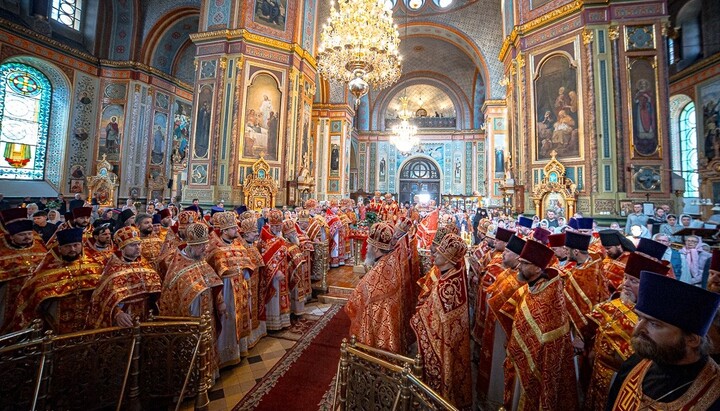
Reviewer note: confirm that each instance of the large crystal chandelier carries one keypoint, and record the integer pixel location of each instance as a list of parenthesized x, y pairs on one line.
[(359, 46), (404, 135)]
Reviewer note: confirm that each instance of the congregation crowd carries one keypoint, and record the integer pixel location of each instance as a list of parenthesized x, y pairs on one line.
[(551, 314)]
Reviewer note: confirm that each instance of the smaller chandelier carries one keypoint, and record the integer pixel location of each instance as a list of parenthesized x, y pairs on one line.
[(404, 136), (359, 45)]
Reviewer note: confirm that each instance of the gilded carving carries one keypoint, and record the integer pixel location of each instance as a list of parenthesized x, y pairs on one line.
[(614, 32), (260, 189), (588, 36)]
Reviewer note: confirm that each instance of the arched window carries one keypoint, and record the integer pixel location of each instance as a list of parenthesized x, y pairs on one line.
[(67, 12), (688, 150), (25, 95)]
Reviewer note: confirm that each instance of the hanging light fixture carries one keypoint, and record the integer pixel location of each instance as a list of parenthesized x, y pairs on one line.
[(404, 135), (359, 45)]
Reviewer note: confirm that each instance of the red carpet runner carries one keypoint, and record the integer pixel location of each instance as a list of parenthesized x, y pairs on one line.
[(300, 379)]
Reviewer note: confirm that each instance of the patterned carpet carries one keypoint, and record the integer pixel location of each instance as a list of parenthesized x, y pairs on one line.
[(302, 379), (298, 327)]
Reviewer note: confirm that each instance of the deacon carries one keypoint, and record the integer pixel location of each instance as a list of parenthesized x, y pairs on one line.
[(376, 306), (671, 368), (152, 244), (585, 285), (232, 263), (442, 327), (191, 287), (498, 324), (274, 279), (59, 290), (247, 227), (100, 246), (129, 287), (298, 269), (20, 253), (617, 251), (539, 346)]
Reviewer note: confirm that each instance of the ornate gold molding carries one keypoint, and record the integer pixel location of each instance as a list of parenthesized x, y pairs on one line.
[(614, 33), (540, 22), (134, 65), (520, 61), (257, 39), (223, 62), (588, 36), (44, 39)]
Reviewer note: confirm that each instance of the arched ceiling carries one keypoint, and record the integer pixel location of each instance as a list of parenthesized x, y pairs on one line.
[(431, 98), (436, 55)]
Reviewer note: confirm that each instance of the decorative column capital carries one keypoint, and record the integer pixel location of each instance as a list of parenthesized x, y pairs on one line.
[(614, 32)]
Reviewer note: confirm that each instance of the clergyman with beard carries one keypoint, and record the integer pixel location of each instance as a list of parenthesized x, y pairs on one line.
[(59, 290), (612, 324), (671, 368), (151, 243)]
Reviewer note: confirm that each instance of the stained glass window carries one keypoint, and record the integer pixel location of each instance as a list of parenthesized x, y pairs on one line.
[(688, 150), (24, 116), (67, 12)]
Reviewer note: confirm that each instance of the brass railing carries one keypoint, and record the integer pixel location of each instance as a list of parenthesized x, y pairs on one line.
[(146, 366), (369, 378)]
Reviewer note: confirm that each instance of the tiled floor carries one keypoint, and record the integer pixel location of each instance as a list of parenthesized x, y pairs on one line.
[(236, 381)]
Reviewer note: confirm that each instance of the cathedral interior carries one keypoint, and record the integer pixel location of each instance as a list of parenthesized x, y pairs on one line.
[(182, 98), (516, 106)]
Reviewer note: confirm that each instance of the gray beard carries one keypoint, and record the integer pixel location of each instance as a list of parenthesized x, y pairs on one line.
[(628, 297)]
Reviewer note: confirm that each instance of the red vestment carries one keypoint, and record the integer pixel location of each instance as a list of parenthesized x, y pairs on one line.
[(615, 321), (16, 266), (70, 285), (135, 285), (540, 350), (229, 261), (442, 327), (376, 306), (584, 288), (614, 270), (701, 395)]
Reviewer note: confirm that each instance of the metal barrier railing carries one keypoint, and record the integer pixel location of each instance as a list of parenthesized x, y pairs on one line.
[(164, 359), (370, 378)]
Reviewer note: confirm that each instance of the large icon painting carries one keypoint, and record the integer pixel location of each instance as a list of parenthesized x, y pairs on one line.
[(557, 108), (262, 118)]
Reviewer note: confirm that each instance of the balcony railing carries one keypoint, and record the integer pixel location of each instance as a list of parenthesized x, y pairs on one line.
[(424, 122)]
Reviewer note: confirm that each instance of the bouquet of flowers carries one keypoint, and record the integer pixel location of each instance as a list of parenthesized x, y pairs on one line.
[(53, 204)]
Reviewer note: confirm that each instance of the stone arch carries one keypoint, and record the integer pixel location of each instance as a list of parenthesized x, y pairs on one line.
[(677, 103), (434, 177), (460, 102), (153, 53), (58, 130)]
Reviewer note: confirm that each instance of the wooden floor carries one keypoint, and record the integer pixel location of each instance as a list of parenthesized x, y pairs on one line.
[(341, 282)]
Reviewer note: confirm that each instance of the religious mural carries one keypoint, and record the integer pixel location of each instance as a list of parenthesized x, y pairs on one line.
[(307, 150), (111, 129), (262, 118), (202, 121), (159, 134), (181, 128), (335, 159), (556, 104), (271, 13), (710, 118), (644, 111), (499, 151)]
